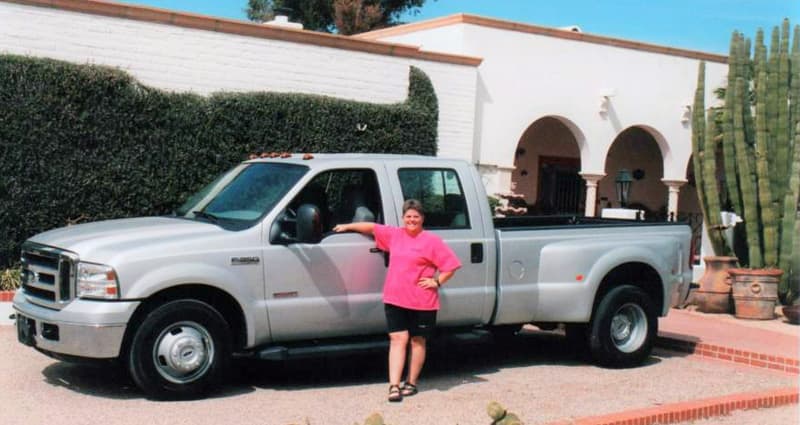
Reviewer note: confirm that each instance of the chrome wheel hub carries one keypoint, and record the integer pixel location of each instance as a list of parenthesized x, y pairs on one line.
[(629, 328), (183, 352)]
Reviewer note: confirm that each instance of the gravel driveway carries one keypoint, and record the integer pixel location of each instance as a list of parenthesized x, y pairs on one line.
[(535, 377)]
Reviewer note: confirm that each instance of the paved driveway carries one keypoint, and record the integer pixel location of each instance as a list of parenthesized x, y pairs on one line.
[(535, 377)]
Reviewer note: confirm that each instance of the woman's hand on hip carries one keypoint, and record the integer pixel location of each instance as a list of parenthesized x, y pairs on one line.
[(428, 283)]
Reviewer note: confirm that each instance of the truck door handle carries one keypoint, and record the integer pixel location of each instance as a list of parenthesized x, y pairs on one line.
[(476, 252), (385, 255)]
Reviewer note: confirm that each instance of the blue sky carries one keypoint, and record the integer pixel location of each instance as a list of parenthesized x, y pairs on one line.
[(703, 25)]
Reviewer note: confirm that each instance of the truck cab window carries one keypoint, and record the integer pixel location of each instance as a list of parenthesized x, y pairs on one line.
[(440, 192), (239, 198), (342, 196)]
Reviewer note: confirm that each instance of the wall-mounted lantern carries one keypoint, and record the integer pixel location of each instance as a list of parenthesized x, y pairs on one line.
[(686, 113), (623, 183)]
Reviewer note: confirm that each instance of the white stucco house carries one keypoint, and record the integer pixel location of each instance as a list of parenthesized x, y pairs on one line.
[(553, 114)]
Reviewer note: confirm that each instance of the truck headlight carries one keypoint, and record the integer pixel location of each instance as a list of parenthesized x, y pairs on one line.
[(97, 281)]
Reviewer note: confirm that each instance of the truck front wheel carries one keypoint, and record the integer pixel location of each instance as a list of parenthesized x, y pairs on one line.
[(624, 328), (180, 350)]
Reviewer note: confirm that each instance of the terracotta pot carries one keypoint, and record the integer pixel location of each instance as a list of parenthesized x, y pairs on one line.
[(714, 293), (755, 292), (6, 296)]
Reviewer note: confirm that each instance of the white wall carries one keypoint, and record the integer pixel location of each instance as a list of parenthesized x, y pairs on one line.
[(526, 76), (184, 59)]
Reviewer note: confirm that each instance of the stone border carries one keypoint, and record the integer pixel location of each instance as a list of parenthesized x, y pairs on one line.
[(692, 410), (718, 352)]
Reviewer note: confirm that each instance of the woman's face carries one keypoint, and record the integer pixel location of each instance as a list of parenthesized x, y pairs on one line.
[(413, 221)]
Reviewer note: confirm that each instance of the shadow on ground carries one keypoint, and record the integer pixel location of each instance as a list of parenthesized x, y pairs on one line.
[(449, 365)]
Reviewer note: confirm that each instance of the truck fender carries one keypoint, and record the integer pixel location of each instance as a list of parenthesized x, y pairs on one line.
[(178, 274), (627, 255)]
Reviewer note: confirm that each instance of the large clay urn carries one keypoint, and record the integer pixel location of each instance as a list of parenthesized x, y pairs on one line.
[(714, 293), (755, 292)]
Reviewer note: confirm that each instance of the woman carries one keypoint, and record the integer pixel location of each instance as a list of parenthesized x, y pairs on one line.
[(410, 292)]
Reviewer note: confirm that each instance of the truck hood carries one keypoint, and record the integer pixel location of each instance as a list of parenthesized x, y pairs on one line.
[(101, 241)]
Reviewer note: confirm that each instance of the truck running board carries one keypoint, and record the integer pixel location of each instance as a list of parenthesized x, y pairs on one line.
[(353, 346), (322, 349)]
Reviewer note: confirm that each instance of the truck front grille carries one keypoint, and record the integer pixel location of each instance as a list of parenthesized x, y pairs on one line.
[(47, 275)]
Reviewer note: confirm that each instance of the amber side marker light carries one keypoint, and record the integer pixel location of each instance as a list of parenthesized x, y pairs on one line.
[(579, 277)]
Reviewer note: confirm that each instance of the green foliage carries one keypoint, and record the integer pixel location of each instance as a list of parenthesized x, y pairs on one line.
[(761, 150), (85, 143), (493, 203), (319, 15), (10, 279)]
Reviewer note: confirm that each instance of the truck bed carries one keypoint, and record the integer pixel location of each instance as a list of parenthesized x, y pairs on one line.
[(570, 221)]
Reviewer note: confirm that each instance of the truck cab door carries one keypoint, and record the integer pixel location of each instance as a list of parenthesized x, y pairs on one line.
[(333, 287), (448, 196)]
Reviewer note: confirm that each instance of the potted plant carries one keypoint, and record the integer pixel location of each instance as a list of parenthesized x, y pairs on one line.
[(760, 137), (714, 292), (9, 282)]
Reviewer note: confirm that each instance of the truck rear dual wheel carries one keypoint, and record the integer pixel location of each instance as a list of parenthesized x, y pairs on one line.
[(624, 328), (180, 350)]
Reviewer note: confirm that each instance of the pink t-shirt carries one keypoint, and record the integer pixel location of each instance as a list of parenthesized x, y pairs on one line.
[(412, 258)]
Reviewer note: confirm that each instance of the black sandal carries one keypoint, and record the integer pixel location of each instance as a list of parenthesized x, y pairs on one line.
[(395, 394), (408, 390)]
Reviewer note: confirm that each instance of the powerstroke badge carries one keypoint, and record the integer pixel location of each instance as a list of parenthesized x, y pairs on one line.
[(244, 261)]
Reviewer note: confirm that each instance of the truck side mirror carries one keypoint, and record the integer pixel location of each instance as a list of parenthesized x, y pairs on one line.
[(309, 224)]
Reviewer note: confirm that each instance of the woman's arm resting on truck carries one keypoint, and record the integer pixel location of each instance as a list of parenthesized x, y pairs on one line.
[(362, 227)]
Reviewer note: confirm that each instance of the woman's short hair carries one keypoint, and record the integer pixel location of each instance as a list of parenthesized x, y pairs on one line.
[(413, 204)]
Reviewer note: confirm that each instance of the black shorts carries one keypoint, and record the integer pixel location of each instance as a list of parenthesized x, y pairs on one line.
[(416, 322)]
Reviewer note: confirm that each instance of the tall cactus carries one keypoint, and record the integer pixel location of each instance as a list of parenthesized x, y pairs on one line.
[(790, 238), (704, 160), (760, 132), (728, 145), (747, 183)]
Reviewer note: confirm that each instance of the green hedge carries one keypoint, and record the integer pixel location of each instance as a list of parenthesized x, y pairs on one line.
[(84, 142)]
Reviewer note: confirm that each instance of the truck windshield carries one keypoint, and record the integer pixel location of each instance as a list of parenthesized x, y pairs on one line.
[(239, 198)]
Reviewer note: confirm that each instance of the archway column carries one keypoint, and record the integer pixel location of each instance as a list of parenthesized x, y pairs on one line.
[(674, 187), (591, 192), (496, 178)]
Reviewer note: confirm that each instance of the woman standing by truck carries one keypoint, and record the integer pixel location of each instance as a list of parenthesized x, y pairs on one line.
[(419, 265)]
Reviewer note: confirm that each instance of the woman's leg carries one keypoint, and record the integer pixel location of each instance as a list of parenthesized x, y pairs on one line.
[(417, 359), (397, 355)]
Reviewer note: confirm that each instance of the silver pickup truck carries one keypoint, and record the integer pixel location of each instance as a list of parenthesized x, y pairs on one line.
[(249, 266)]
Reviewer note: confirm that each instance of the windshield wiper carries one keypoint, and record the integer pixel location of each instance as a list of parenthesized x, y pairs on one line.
[(206, 215)]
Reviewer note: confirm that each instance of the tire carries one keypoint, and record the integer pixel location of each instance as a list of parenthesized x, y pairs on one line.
[(624, 328), (198, 337)]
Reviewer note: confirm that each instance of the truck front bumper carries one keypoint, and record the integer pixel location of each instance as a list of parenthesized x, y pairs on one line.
[(83, 328)]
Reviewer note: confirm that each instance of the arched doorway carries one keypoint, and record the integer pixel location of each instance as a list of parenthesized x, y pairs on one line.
[(636, 150), (546, 166)]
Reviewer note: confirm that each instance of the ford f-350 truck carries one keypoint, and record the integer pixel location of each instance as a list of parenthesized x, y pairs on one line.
[(250, 266)]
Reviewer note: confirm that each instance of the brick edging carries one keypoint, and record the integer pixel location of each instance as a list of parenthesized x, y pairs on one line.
[(692, 410), (6, 296), (718, 352)]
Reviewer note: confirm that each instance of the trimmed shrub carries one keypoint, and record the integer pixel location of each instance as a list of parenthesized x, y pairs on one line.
[(84, 143)]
